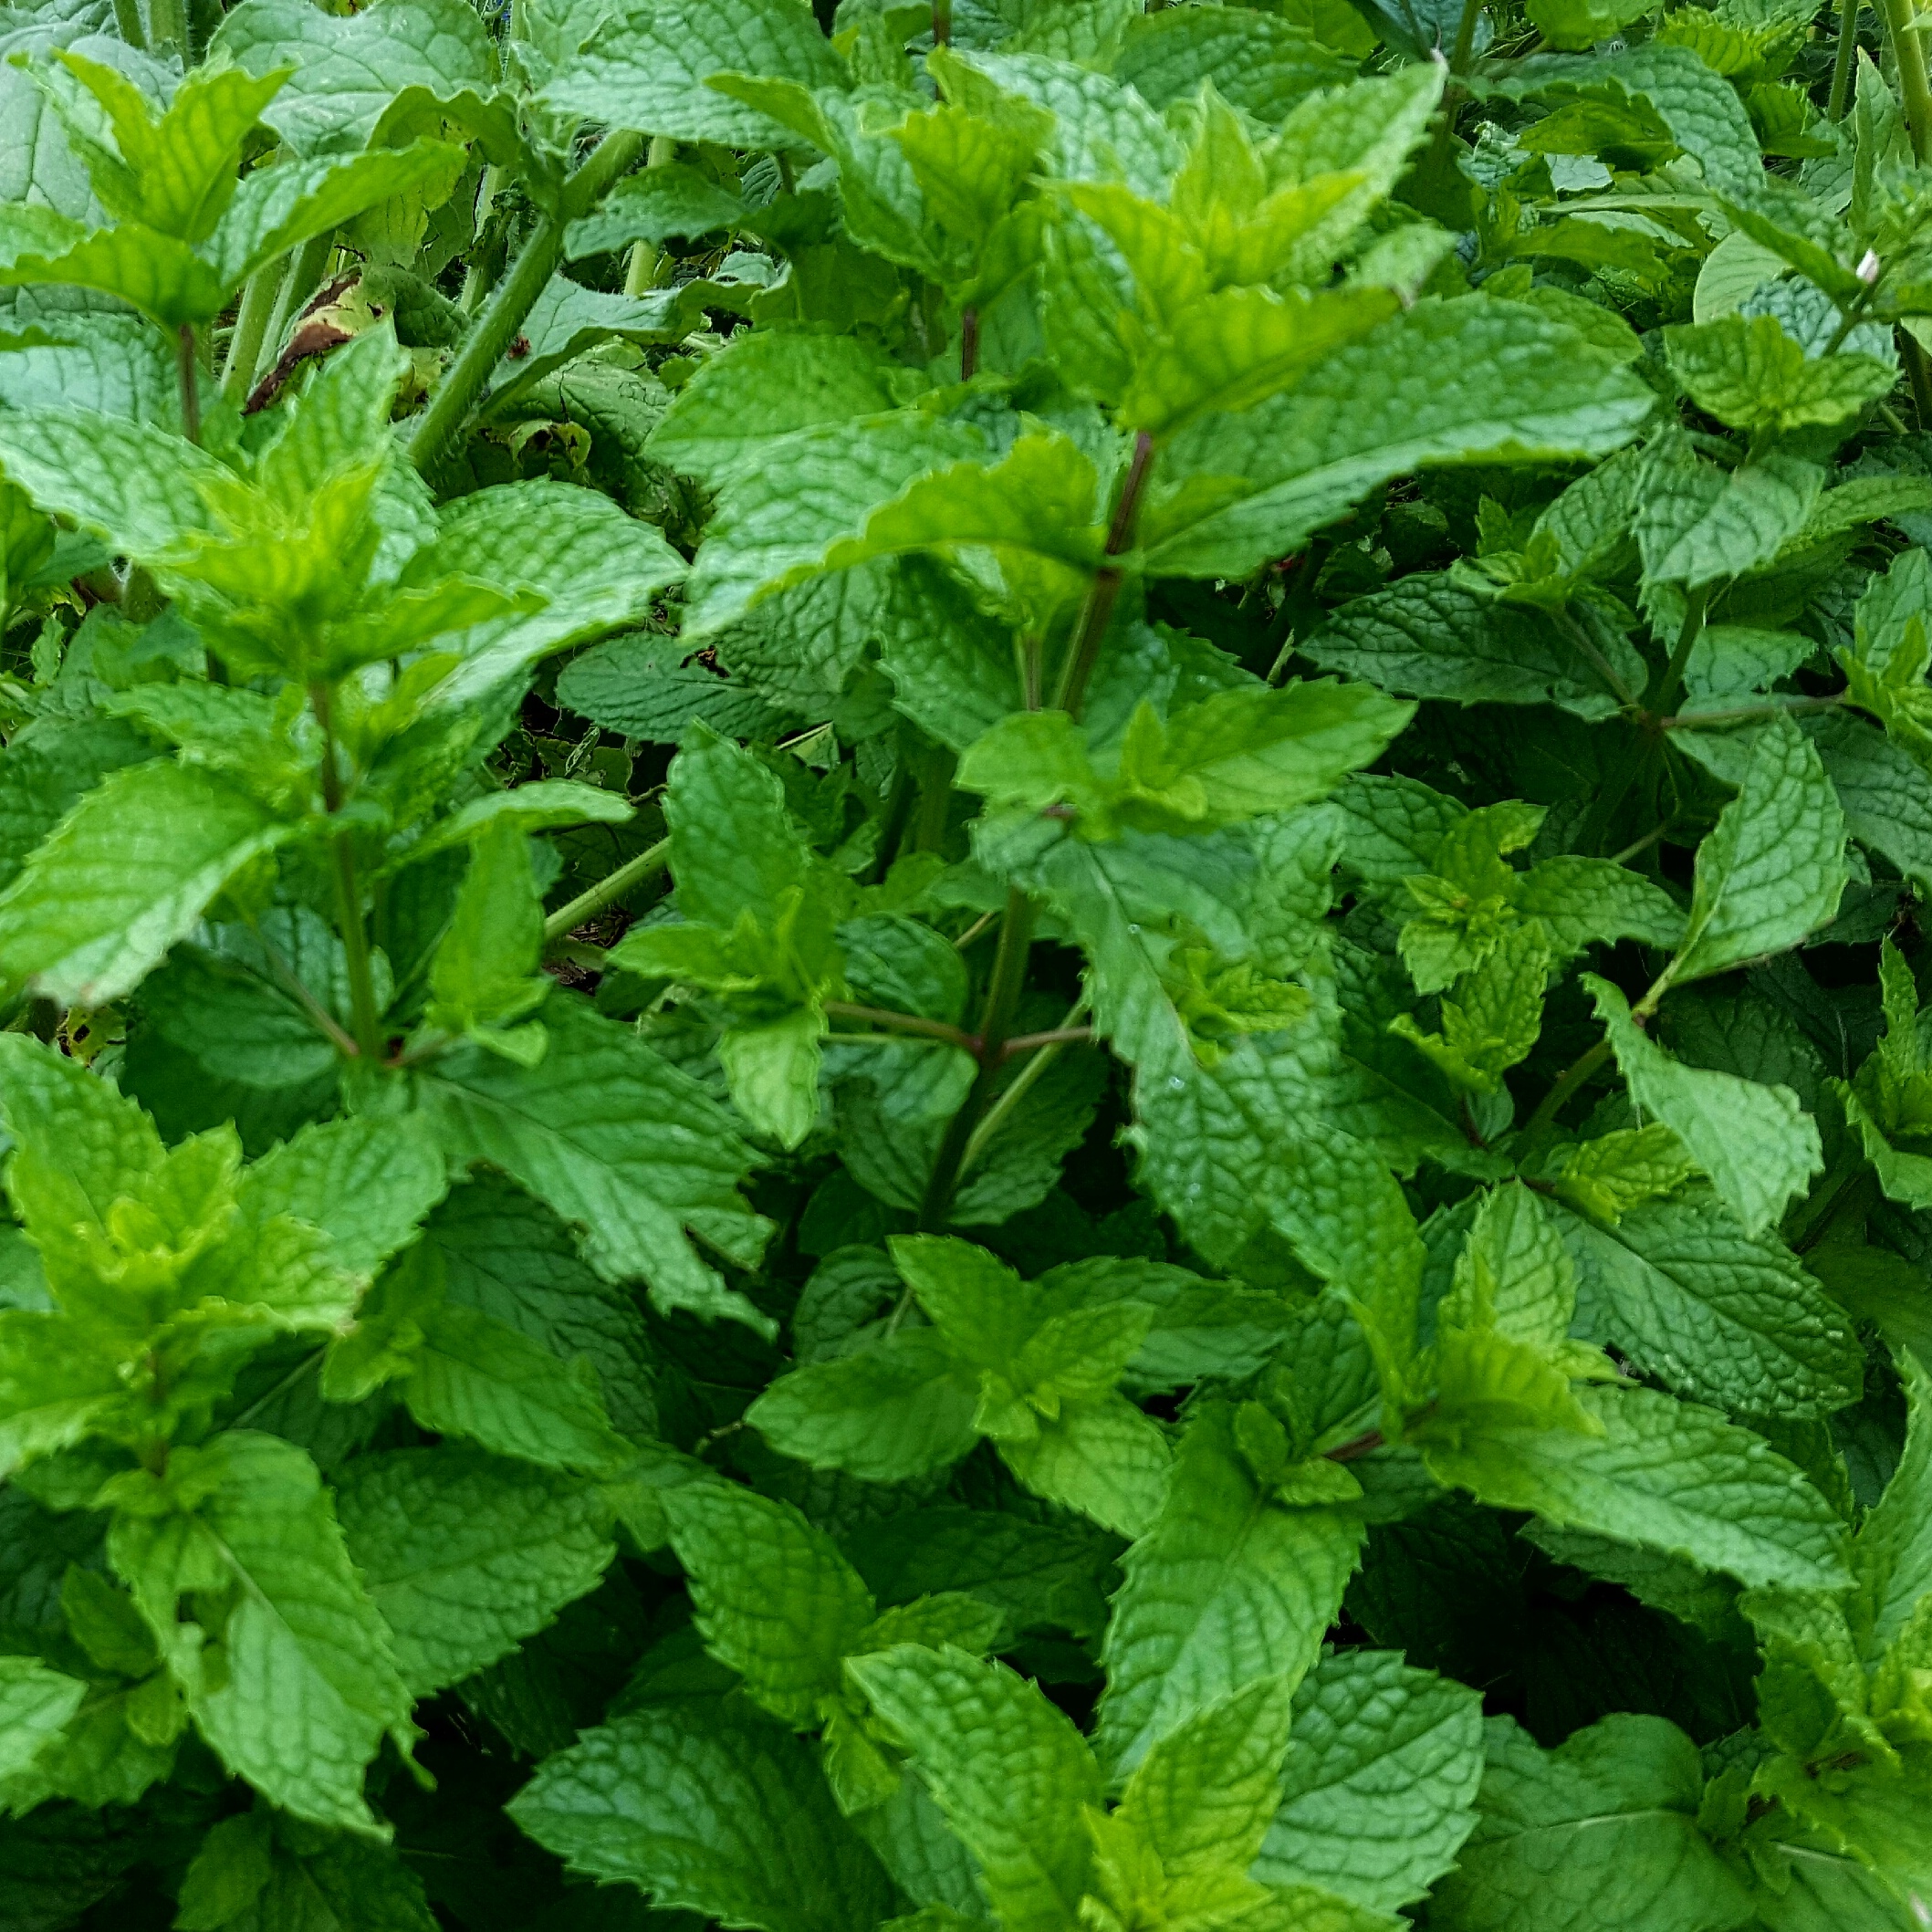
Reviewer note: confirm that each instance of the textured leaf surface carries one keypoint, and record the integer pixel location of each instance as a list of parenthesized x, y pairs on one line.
[(1227, 1588), (704, 1808), (466, 1555), (1379, 1786)]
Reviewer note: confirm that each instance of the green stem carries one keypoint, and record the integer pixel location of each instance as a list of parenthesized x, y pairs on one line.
[(1016, 1091), (127, 17), (1844, 62), (188, 373), (365, 1021), (476, 279), (1909, 52), (566, 919), (1573, 1077), (899, 1022), (1918, 373), (647, 263), (168, 25), (1097, 612), (1003, 991), (495, 328), (1451, 94), (1658, 698), (259, 301)]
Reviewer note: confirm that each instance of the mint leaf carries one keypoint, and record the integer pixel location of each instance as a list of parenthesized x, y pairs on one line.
[(1614, 1805), (285, 1662), (1755, 1143), (465, 1556), (1227, 1588), (1009, 1771), (1378, 1788), (709, 1808)]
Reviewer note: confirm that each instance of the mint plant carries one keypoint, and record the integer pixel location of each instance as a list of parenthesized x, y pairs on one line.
[(962, 966)]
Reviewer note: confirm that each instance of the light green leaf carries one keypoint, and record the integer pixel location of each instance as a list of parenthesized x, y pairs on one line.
[(1755, 1143), (1228, 1587), (1611, 1813), (124, 876), (1665, 1474), (1379, 1786), (1105, 1459), (285, 1661), (712, 1807), (1203, 1797), (1775, 868), (366, 1183), (465, 1556), (1007, 1768), (771, 1594), (34, 1704)]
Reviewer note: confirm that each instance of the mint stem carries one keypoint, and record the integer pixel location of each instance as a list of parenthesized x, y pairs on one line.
[(260, 299), (995, 1025), (566, 919), (509, 308), (189, 376), (1097, 612)]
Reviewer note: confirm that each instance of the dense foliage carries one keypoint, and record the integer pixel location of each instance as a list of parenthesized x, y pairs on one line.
[(964, 966)]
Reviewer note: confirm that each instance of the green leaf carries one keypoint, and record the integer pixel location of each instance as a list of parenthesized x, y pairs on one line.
[(1233, 492), (1664, 1474), (1698, 522), (647, 68), (1430, 637), (285, 1662), (710, 1808), (1755, 1143), (1754, 376), (772, 1596), (124, 876), (1261, 63), (1720, 1317), (484, 977), (764, 385), (253, 1869), (1228, 1587), (1611, 1813), (508, 1257), (34, 1704), (617, 1141), (1774, 870), (350, 71), (1201, 1798), (1379, 1786), (1007, 1768), (651, 207), (475, 1377), (466, 1556), (885, 1413), (366, 1183), (779, 521)]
